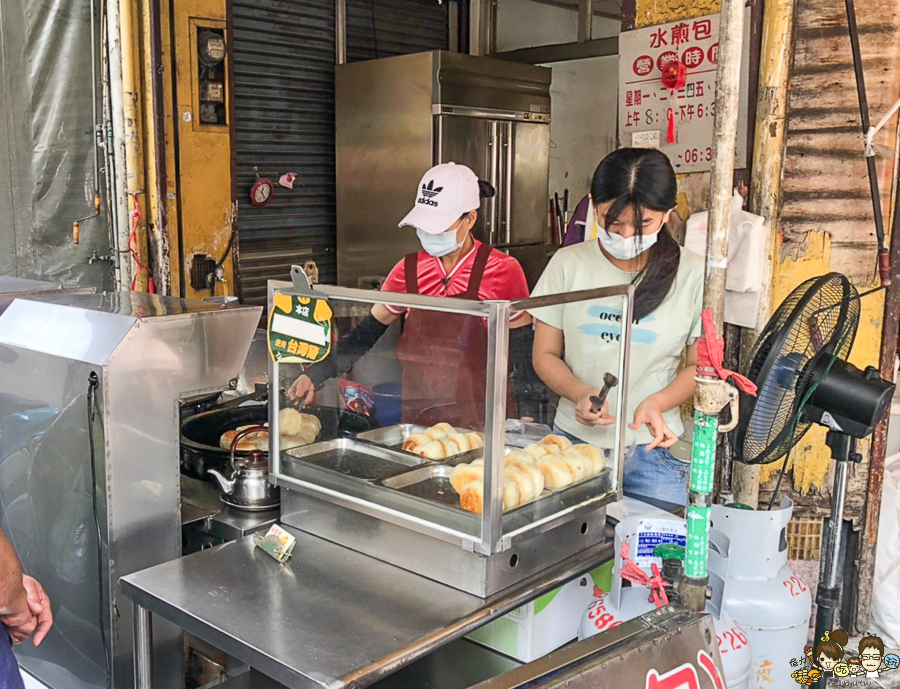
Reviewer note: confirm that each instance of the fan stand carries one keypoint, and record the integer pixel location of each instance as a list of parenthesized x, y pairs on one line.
[(843, 451)]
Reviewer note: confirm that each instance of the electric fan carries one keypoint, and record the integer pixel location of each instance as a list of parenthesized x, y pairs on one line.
[(800, 367)]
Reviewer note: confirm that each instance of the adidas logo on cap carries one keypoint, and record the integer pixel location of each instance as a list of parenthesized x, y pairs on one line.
[(429, 191), (443, 194)]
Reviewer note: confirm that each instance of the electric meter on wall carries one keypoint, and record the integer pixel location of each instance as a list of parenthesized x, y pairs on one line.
[(211, 48)]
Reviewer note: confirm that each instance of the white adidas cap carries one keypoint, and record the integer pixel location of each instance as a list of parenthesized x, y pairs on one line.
[(445, 193)]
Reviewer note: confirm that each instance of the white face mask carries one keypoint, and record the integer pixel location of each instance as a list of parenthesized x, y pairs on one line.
[(441, 244), (627, 248)]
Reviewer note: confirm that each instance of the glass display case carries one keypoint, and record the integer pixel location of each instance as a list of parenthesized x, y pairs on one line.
[(449, 460)]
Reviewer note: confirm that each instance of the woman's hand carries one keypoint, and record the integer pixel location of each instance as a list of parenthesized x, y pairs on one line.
[(584, 415), (302, 389), (649, 413)]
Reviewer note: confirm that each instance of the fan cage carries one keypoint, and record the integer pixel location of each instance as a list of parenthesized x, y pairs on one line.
[(818, 319)]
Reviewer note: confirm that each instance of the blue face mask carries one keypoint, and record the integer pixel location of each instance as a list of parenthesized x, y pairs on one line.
[(441, 244)]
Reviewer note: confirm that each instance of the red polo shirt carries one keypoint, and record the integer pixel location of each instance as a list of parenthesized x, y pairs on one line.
[(503, 278)]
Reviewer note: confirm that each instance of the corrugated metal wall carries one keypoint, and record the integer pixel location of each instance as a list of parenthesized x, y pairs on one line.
[(284, 122), (825, 184), (284, 119)]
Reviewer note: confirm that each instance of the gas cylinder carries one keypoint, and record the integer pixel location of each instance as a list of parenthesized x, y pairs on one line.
[(608, 610), (771, 603)]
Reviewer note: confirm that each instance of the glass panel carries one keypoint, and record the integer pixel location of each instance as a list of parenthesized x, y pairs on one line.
[(530, 23), (397, 417), (408, 428), (553, 442)]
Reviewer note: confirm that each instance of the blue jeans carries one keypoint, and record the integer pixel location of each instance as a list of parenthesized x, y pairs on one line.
[(10, 678), (650, 473)]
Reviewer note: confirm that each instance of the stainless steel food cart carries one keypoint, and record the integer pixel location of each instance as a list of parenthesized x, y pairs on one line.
[(89, 461), (383, 576)]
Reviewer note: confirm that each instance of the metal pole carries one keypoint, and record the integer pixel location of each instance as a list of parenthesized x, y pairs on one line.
[(481, 27), (134, 149), (105, 139), (163, 260), (143, 638), (585, 20), (340, 32), (766, 172), (728, 83), (889, 337), (118, 202), (830, 561), (95, 133), (494, 422), (711, 396), (883, 256)]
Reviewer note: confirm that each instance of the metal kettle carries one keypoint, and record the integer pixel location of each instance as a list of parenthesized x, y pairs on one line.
[(247, 486)]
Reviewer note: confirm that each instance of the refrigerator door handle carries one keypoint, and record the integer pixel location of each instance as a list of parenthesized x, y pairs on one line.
[(507, 197), (492, 220), (439, 144)]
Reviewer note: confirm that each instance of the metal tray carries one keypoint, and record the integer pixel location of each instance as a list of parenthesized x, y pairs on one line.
[(393, 437), (359, 460), (603, 478), (432, 483)]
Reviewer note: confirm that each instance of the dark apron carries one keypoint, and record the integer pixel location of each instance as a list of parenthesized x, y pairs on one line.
[(444, 358)]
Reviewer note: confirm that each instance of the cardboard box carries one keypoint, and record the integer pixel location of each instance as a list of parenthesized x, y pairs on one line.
[(546, 623)]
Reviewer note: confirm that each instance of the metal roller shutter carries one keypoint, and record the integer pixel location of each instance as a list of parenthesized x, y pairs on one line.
[(284, 122), (284, 119), (401, 27)]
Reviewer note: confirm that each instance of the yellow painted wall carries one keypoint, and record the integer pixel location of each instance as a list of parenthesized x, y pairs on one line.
[(652, 12), (198, 157), (204, 151), (811, 458)]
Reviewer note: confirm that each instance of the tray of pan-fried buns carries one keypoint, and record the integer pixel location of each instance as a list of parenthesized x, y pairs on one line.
[(435, 443), (535, 472)]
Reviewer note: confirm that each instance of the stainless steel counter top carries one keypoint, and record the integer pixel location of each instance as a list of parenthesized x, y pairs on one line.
[(202, 508), (330, 617)]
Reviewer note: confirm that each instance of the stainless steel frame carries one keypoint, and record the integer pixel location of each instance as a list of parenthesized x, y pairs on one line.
[(12, 288), (145, 353), (385, 524), (331, 618), (657, 643)]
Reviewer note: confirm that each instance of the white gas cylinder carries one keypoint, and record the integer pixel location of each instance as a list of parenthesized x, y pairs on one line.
[(734, 648), (771, 603), (642, 534)]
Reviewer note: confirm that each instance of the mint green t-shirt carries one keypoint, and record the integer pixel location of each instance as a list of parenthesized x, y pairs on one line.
[(592, 330)]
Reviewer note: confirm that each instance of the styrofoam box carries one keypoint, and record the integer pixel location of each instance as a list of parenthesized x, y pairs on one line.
[(546, 623)]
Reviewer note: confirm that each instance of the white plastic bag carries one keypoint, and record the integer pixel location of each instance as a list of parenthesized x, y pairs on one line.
[(886, 586), (747, 236)]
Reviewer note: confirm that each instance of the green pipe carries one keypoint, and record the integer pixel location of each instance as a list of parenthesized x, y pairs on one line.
[(703, 465)]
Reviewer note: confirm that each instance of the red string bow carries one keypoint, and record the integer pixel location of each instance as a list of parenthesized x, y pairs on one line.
[(631, 572), (711, 356)]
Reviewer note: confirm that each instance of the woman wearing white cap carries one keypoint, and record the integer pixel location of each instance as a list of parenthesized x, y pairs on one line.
[(439, 351)]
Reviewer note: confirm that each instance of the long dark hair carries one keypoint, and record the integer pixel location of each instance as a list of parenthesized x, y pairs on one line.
[(640, 178)]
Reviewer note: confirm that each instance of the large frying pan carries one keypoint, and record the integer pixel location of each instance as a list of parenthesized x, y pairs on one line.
[(200, 433)]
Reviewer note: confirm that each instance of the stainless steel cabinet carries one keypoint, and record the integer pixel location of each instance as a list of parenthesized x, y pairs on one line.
[(398, 116)]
